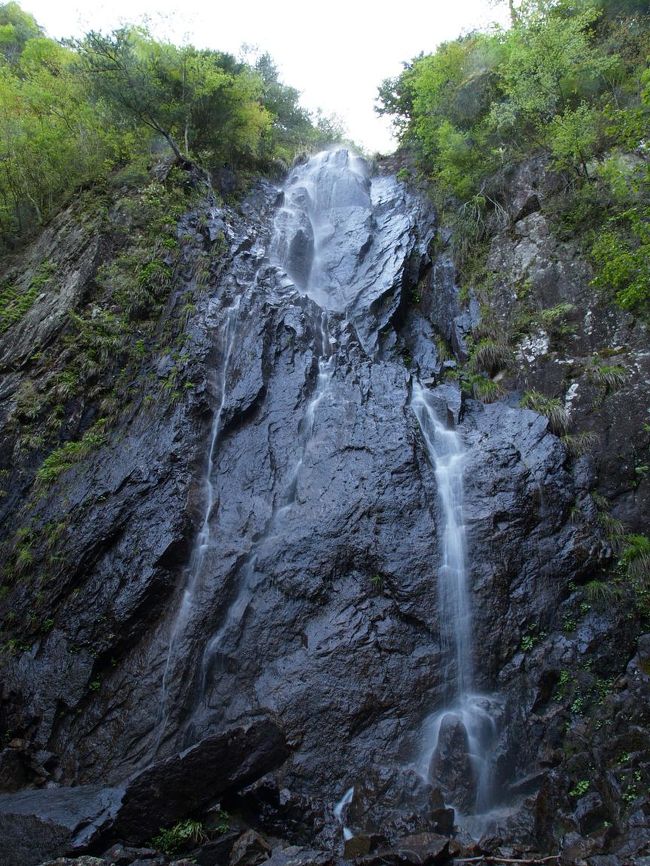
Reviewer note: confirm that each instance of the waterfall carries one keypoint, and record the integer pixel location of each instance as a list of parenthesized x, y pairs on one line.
[(446, 452), (458, 737), (195, 569)]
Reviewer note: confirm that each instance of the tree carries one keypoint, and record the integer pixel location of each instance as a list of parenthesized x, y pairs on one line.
[(16, 28), (183, 94)]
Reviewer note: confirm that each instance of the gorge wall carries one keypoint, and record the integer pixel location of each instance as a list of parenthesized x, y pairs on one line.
[(230, 592)]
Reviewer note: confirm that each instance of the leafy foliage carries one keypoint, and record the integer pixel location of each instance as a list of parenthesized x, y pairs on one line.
[(73, 113), (569, 80), (181, 836)]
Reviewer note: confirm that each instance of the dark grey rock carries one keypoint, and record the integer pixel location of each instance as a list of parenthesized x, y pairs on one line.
[(85, 860), (42, 824), (451, 765), (422, 849), (181, 784), (250, 849), (591, 813)]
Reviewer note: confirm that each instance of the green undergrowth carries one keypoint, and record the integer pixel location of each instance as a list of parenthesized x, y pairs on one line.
[(15, 302), (187, 834), (182, 836), (67, 455)]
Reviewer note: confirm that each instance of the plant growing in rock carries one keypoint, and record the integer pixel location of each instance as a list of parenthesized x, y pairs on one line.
[(491, 356), (608, 376), (67, 455), (550, 407), (581, 443), (180, 837), (481, 387), (580, 788)]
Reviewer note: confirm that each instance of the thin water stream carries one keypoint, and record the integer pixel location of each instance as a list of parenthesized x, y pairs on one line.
[(246, 581), (195, 570)]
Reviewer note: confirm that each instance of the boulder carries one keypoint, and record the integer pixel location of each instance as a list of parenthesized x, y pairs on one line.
[(451, 766), (250, 849), (42, 824), (181, 784)]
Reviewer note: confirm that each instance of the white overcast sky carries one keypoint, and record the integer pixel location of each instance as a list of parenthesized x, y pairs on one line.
[(336, 52)]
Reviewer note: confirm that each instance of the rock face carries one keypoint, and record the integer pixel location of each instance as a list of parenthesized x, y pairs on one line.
[(262, 556)]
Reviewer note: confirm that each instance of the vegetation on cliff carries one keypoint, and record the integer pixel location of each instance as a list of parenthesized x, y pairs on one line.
[(73, 113), (569, 80)]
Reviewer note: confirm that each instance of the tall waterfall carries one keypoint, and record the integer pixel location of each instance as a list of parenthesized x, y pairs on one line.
[(459, 736)]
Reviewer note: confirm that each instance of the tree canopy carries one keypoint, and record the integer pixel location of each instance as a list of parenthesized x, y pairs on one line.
[(73, 112)]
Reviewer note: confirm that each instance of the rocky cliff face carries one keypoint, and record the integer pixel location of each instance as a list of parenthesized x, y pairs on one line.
[(242, 560)]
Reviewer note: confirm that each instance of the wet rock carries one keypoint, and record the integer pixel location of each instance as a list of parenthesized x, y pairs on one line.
[(158, 860), (122, 855), (576, 850), (443, 821), (216, 852), (295, 855), (422, 849), (389, 803), (279, 811), (357, 846), (86, 860), (448, 402), (604, 860), (14, 770), (590, 812), (42, 824), (451, 766), (174, 788), (324, 544), (250, 849), (419, 339)]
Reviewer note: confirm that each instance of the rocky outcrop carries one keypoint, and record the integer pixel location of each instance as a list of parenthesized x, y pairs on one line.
[(309, 620)]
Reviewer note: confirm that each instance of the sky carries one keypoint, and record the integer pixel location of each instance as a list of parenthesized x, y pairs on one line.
[(336, 52)]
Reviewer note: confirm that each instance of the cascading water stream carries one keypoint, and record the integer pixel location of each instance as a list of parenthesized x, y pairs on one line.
[(457, 738), (445, 449), (202, 543)]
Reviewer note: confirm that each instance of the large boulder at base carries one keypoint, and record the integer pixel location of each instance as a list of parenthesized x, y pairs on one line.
[(177, 786), (38, 825), (43, 824)]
